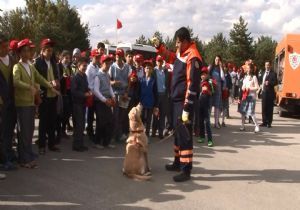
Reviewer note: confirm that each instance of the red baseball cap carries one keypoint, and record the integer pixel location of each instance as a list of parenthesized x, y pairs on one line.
[(148, 63), (23, 43), (104, 58), (112, 57), (159, 58), (95, 53), (31, 45), (120, 52), (139, 58), (47, 42), (13, 45), (204, 70)]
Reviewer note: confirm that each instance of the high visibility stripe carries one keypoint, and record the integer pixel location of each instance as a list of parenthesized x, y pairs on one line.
[(186, 152), (186, 160)]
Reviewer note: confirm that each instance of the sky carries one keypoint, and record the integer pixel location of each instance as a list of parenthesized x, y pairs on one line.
[(265, 17)]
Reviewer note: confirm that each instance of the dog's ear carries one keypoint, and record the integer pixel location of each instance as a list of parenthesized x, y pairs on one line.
[(132, 114)]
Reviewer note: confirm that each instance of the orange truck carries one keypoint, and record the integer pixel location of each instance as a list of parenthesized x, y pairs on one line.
[(287, 67)]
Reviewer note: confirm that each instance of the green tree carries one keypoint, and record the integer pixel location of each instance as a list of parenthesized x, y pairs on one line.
[(218, 45), (264, 50), (240, 44), (45, 18), (141, 40), (15, 24)]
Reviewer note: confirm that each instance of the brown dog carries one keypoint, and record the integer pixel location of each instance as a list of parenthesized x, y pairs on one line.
[(136, 159)]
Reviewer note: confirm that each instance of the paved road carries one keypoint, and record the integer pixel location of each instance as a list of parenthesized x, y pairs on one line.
[(243, 171)]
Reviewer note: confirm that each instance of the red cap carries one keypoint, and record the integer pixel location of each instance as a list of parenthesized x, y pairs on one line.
[(148, 63), (23, 43), (204, 70), (47, 42), (104, 58), (95, 53), (139, 58), (13, 45), (83, 54), (159, 58), (31, 45), (120, 52), (112, 57)]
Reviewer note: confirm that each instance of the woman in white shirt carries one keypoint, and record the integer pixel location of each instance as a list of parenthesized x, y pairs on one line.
[(249, 88)]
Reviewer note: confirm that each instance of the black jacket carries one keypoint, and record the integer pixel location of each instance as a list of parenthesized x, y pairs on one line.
[(79, 86), (268, 90), (42, 67)]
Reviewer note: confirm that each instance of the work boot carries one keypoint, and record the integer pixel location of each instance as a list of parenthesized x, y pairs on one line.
[(173, 167), (182, 177)]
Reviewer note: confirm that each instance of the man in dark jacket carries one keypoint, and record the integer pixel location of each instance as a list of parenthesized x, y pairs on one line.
[(47, 67), (268, 95)]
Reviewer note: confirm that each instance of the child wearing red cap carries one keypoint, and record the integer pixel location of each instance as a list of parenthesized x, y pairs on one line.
[(204, 105)]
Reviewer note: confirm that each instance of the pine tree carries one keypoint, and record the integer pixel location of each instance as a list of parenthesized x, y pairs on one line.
[(241, 41), (141, 40), (264, 50), (218, 45)]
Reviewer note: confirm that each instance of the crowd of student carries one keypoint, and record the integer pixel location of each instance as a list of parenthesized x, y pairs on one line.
[(70, 92)]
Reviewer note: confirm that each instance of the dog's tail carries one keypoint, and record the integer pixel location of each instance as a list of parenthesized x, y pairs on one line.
[(139, 177)]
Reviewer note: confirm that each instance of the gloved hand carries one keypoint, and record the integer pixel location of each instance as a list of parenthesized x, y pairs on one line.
[(185, 116), (155, 41)]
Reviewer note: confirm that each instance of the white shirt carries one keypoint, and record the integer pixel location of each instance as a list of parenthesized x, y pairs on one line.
[(264, 78), (48, 63), (5, 60), (96, 89), (27, 68), (252, 84), (91, 73)]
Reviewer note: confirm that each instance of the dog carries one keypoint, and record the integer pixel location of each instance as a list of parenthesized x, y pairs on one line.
[(136, 158)]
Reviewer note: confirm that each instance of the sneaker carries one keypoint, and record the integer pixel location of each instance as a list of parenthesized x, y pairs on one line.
[(201, 140), (217, 126), (85, 148), (210, 143), (242, 128), (98, 146), (2, 176), (172, 167), (256, 130), (111, 146), (42, 151), (78, 149), (223, 124), (182, 177)]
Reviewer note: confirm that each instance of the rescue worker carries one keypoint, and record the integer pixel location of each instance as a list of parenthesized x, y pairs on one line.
[(184, 90)]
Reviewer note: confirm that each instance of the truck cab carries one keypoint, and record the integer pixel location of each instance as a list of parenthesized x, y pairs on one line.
[(287, 68)]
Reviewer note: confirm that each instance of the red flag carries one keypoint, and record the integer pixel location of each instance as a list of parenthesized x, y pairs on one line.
[(119, 24)]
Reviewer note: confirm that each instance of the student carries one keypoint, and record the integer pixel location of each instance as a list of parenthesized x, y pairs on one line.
[(80, 91), (7, 105), (119, 73), (65, 88), (204, 104), (148, 96), (47, 67), (25, 77), (162, 78), (91, 72), (104, 101)]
